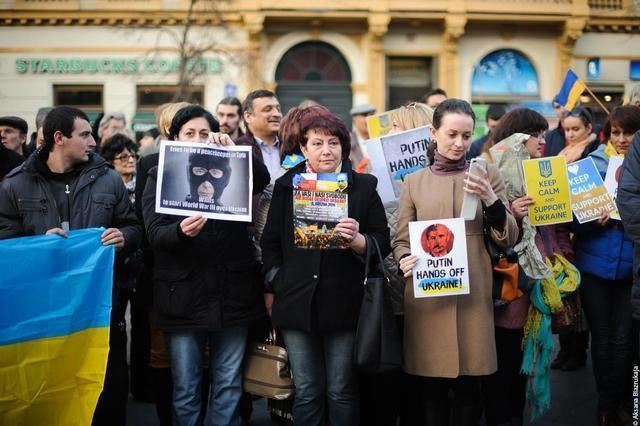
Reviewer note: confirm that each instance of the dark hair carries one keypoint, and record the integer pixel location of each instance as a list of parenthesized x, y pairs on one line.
[(62, 119), (231, 100), (325, 122), (519, 120), (153, 132), (448, 106), (290, 135), (189, 113), (626, 117), (247, 104), (434, 91), (115, 145), (495, 112), (582, 113)]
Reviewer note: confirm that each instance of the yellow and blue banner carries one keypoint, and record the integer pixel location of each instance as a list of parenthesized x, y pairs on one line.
[(572, 88), (55, 306)]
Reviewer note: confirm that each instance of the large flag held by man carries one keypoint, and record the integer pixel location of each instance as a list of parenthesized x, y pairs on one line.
[(55, 304)]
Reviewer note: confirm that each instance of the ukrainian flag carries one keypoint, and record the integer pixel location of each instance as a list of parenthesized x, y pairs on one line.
[(55, 304), (572, 88)]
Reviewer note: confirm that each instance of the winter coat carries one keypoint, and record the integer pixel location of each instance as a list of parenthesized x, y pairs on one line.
[(207, 282), (628, 201), (319, 290), (396, 280), (605, 252), (450, 336)]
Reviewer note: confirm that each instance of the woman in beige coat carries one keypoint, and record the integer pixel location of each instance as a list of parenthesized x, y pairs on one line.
[(449, 341)]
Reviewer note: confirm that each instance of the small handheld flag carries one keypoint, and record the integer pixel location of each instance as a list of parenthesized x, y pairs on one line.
[(572, 88)]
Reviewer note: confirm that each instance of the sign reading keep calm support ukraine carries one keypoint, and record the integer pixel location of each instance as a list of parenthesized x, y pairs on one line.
[(589, 197), (548, 185)]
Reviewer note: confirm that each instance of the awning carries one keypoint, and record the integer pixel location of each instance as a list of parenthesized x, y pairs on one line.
[(143, 121)]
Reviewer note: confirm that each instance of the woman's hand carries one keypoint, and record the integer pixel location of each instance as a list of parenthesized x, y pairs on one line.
[(480, 186), (520, 207), (407, 264), (221, 139), (604, 218), (192, 225), (268, 303), (349, 229)]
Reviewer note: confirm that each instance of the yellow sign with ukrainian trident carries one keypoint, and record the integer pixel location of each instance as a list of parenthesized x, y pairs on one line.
[(548, 185)]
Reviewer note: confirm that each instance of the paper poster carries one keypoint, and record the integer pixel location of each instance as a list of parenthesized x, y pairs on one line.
[(213, 181), (395, 156), (379, 125), (548, 185), (441, 248), (319, 202), (612, 178), (588, 193)]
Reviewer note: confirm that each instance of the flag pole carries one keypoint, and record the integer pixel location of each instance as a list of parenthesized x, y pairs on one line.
[(596, 99)]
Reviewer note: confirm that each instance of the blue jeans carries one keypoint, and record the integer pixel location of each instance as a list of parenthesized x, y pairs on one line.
[(322, 366), (607, 305), (226, 353)]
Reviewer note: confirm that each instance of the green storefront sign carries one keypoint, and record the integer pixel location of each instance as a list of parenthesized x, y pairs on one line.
[(113, 66)]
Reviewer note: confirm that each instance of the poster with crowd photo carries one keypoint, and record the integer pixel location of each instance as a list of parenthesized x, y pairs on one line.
[(547, 183), (589, 197), (213, 181), (395, 156), (611, 180), (441, 248), (319, 202)]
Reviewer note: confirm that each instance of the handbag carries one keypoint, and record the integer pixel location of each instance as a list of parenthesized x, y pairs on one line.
[(509, 279), (266, 370), (377, 347)]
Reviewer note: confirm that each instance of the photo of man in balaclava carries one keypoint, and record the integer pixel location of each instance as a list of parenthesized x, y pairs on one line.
[(208, 176)]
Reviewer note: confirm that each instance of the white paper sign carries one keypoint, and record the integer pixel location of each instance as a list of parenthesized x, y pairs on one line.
[(441, 248), (612, 179)]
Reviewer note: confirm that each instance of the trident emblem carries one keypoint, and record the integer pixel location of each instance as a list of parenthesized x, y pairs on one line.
[(545, 168)]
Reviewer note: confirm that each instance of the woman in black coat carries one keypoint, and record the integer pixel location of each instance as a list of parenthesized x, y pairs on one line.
[(207, 289), (317, 293)]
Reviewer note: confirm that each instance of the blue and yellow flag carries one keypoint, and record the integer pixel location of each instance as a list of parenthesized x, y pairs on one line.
[(55, 304), (572, 88)]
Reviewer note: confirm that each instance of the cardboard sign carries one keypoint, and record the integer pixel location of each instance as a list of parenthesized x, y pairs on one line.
[(379, 125), (441, 248), (547, 184), (395, 156), (589, 197), (611, 180), (214, 181)]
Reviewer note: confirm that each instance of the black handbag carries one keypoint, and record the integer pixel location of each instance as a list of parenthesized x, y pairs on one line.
[(377, 347)]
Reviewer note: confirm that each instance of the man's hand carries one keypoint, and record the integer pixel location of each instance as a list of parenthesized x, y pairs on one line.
[(192, 225), (56, 231), (113, 237)]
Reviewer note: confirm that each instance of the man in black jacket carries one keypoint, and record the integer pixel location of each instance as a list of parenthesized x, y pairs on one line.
[(64, 186)]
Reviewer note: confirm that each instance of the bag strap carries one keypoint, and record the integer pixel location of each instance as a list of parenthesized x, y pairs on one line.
[(373, 248), (493, 251)]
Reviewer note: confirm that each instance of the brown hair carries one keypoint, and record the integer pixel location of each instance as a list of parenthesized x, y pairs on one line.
[(324, 121)]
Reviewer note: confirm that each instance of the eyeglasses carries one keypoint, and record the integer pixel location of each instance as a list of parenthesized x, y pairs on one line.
[(579, 113), (126, 157)]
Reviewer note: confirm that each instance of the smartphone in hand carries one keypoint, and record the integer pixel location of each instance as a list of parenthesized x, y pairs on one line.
[(470, 201)]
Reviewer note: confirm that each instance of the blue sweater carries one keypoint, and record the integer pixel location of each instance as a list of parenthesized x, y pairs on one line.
[(605, 252)]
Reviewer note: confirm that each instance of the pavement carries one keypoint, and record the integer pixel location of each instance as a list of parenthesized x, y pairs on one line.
[(573, 396)]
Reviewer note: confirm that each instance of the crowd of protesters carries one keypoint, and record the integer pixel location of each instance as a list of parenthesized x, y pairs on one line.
[(200, 289)]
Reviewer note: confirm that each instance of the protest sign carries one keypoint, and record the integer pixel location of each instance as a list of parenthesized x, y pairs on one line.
[(395, 156), (213, 181), (588, 193), (380, 124), (547, 184), (319, 202), (441, 248), (611, 180)]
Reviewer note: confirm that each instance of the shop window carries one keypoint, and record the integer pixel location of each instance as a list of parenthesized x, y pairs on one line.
[(504, 76), (87, 98), (408, 79), (150, 97)]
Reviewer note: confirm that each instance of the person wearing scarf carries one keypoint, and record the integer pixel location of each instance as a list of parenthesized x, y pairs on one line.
[(449, 342)]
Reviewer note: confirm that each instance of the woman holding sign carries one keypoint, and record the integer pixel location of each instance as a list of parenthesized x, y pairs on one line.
[(604, 255), (449, 341), (317, 292)]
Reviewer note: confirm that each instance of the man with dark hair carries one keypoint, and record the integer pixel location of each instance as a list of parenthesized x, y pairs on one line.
[(229, 113), (64, 186), (434, 97), (554, 139), (13, 133), (262, 116), (494, 114)]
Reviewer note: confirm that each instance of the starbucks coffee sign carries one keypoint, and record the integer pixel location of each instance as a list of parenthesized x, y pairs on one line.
[(113, 65)]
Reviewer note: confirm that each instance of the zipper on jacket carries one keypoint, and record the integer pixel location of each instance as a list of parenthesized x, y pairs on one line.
[(65, 224)]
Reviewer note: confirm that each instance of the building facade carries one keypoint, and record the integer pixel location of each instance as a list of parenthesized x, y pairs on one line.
[(124, 55)]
